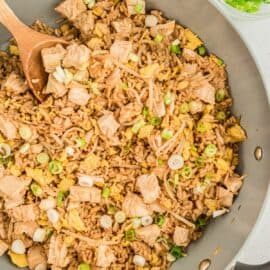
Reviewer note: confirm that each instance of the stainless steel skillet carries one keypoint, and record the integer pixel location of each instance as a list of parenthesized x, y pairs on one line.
[(227, 234)]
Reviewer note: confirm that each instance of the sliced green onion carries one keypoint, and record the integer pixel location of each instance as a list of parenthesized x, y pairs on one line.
[(158, 38), (221, 116), (5, 150), (84, 266), (194, 148), (220, 62), (94, 88), (120, 217), (210, 150), (61, 195), (184, 108), (130, 235), (134, 57), (200, 162), (202, 51), (145, 111), (186, 172), (168, 99), (25, 133), (138, 8), (36, 190), (160, 162), (159, 220), (111, 209), (201, 127), (220, 95), (176, 252), (55, 167), (175, 49), (43, 158), (106, 192), (80, 142), (166, 134), (137, 126), (201, 222), (155, 121)]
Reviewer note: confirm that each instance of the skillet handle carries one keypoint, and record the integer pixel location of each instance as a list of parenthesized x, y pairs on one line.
[(240, 266)]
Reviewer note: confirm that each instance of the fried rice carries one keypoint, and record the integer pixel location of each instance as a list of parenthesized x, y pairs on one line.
[(131, 154)]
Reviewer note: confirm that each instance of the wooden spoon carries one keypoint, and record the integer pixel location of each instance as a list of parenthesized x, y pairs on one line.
[(30, 44)]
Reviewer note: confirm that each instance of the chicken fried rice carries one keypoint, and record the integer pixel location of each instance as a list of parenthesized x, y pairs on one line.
[(130, 155)]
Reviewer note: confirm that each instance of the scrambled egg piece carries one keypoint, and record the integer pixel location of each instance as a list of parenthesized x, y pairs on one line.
[(18, 259), (236, 134), (193, 41), (90, 163), (75, 221), (42, 178)]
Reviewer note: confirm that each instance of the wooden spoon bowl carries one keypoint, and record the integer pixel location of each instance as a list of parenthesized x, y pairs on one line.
[(30, 44)]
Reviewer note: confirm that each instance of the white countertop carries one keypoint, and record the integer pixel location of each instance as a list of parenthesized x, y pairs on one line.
[(256, 34)]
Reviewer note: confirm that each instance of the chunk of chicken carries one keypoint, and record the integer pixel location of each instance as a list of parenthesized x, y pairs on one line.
[(71, 8), (11, 203), (120, 50), (206, 93), (105, 256), (77, 56), (85, 23), (225, 197), (15, 84), (157, 207), (123, 27), (8, 128), (114, 79), (12, 187), (234, 183), (129, 112), (163, 29), (3, 247), (131, 6), (35, 256), (85, 194), (133, 206), (78, 95), (55, 88), (108, 125), (189, 55), (148, 234), (149, 187), (52, 57), (181, 236), (27, 227), (25, 212), (58, 252)]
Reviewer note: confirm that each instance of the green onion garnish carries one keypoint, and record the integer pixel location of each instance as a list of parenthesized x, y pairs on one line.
[(168, 99), (43, 158), (210, 150), (5, 150), (55, 167), (36, 190), (138, 8), (175, 49), (186, 172), (159, 220), (84, 266), (145, 111), (202, 51), (184, 108), (137, 126), (130, 235), (158, 38), (80, 142), (155, 121), (220, 95), (166, 134), (176, 252), (200, 162), (60, 198), (221, 116), (106, 192)]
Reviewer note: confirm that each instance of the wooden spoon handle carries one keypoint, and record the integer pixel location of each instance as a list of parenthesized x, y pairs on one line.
[(10, 20)]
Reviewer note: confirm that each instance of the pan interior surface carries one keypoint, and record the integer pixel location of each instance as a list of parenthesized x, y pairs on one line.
[(224, 237)]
